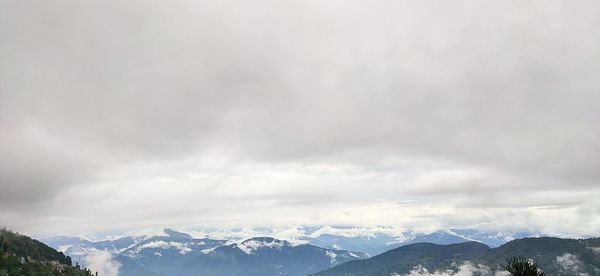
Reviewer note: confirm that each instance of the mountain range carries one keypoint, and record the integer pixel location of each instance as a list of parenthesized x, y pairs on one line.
[(450, 252), (376, 242), (553, 255), (330, 251), (176, 253), (370, 241)]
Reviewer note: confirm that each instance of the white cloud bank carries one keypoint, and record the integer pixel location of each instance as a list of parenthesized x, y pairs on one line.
[(571, 264), (102, 262), (465, 269)]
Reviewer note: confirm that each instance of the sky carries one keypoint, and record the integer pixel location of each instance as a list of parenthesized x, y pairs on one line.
[(120, 115)]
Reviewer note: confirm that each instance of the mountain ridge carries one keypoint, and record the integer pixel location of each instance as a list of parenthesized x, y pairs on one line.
[(175, 251), (22, 255), (555, 256), (183, 255)]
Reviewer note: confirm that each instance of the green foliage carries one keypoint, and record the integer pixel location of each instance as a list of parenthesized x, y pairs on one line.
[(25, 246), (403, 259), (521, 266), (22, 256), (542, 251)]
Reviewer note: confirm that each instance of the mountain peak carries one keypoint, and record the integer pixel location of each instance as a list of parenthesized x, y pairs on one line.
[(253, 244), (174, 234), (262, 239)]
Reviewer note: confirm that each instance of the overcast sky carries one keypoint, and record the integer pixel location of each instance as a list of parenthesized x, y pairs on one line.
[(119, 115)]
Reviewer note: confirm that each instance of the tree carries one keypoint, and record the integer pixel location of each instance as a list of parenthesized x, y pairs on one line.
[(521, 266)]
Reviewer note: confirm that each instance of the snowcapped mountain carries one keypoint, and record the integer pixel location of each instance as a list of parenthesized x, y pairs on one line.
[(174, 243), (379, 240), (177, 253), (492, 239), (180, 255), (295, 251), (371, 244), (79, 248), (164, 255)]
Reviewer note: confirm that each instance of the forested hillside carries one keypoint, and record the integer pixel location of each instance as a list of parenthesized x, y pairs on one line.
[(22, 255), (554, 256), (402, 260)]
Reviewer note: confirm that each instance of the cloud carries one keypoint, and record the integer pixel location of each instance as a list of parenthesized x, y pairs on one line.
[(571, 264), (102, 262), (215, 108), (596, 250), (182, 247), (354, 232), (464, 269)]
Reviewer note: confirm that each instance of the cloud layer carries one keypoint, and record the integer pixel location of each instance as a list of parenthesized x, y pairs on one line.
[(127, 115), (464, 269), (103, 263)]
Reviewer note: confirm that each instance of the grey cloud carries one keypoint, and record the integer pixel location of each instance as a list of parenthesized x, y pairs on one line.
[(87, 87)]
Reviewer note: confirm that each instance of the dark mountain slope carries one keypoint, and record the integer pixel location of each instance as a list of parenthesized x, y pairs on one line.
[(22, 255), (403, 259), (439, 237), (554, 256)]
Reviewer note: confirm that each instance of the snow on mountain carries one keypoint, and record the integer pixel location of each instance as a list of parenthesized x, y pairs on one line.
[(79, 248), (303, 250), (183, 248), (380, 239), (180, 255), (172, 244), (251, 245)]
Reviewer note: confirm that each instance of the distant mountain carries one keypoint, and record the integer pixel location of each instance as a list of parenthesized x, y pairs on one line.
[(164, 255), (78, 248), (492, 239), (403, 259), (22, 255), (377, 243), (176, 235), (372, 244), (439, 237), (172, 251), (177, 253), (554, 256), (262, 256)]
